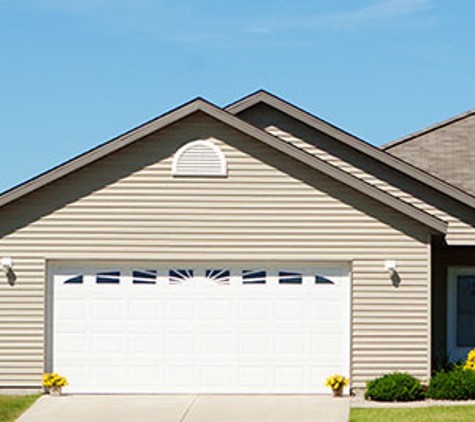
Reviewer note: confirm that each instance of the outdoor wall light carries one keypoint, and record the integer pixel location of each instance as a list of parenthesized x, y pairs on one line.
[(7, 265), (390, 266)]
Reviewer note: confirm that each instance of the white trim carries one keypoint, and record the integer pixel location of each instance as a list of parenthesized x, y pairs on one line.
[(429, 305), (222, 172), (454, 352)]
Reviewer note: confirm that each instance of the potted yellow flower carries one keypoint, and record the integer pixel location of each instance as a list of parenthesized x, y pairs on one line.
[(470, 362), (54, 383), (337, 383)]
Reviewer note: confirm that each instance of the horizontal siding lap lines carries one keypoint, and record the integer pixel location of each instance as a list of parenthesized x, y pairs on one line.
[(465, 235), (257, 213)]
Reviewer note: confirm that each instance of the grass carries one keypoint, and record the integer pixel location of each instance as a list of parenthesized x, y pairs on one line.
[(11, 407), (415, 414)]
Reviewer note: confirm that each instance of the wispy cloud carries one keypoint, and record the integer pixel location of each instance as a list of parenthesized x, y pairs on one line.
[(374, 14), (179, 22), (382, 11)]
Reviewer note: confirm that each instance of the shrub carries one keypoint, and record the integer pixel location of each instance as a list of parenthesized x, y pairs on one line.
[(457, 384), (441, 362), (394, 387)]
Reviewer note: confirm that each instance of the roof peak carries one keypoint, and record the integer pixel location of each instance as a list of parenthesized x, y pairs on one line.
[(354, 142), (201, 105)]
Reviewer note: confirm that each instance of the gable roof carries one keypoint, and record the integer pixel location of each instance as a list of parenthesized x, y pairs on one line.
[(429, 129), (352, 141), (201, 105), (445, 150)]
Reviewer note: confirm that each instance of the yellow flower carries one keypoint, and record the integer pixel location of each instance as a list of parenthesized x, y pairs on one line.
[(54, 380), (336, 382), (470, 362)]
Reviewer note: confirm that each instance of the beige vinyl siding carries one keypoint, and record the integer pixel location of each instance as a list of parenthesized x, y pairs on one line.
[(458, 233), (460, 219), (127, 206), (22, 324), (390, 326)]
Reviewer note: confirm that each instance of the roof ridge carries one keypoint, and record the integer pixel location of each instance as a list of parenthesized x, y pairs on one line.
[(428, 129), (240, 105), (257, 92)]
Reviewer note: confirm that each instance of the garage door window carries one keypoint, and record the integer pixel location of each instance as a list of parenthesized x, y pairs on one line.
[(254, 276), (77, 279), (319, 279), (290, 277), (218, 276), (179, 276), (144, 276), (108, 277)]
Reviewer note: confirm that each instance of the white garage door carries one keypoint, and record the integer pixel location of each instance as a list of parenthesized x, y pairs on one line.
[(185, 328)]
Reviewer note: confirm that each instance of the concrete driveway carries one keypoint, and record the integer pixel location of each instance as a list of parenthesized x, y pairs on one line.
[(188, 408)]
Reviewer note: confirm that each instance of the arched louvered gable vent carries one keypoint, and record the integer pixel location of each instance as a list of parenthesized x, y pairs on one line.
[(199, 158)]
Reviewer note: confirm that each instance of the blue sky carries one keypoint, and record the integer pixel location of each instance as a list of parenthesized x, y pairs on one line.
[(74, 74)]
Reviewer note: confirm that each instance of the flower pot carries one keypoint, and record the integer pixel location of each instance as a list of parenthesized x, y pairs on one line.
[(337, 392), (55, 391)]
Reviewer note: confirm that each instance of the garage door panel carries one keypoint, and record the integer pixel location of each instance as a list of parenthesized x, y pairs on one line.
[(254, 310), (70, 326), (289, 378), (145, 309), (180, 376), (72, 309), (254, 344), (285, 309), (78, 375), (219, 334), (215, 377), (71, 343), (216, 344), (325, 345), (180, 344), (148, 344), (107, 344), (180, 309), (145, 376), (326, 309), (217, 309), (290, 345), (253, 377), (107, 376), (108, 309)]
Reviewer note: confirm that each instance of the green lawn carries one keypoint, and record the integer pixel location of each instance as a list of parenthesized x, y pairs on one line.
[(415, 414), (11, 407)]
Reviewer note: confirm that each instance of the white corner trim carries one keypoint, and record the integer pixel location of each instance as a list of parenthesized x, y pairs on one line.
[(206, 167)]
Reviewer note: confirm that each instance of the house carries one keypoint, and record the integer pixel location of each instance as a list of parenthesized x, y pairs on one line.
[(250, 249)]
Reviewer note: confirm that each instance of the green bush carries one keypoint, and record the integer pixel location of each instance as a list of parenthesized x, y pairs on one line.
[(457, 384), (394, 387)]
